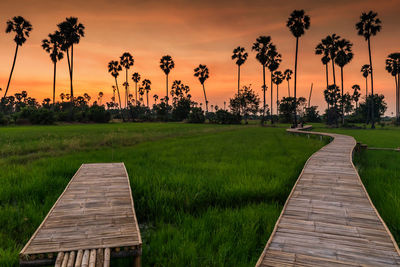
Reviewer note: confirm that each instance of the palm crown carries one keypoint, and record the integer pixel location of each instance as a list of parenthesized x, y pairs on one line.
[(21, 27), (114, 68), (288, 74), (146, 83), (136, 77), (126, 60), (53, 46), (298, 22), (202, 73), (240, 54), (72, 31), (344, 52), (369, 25), (366, 70), (323, 49), (273, 58), (393, 64), (262, 46), (166, 64), (278, 77)]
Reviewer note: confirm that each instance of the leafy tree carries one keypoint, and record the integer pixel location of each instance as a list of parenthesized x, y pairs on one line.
[(393, 67), (240, 55), (332, 96), (311, 114), (53, 46), (288, 75), (182, 102), (71, 31), (287, 107), (167, 64), (380, 107), (126, 61), (369, 25), (21, 28), (246, 101), (298, 22), (202, 73)]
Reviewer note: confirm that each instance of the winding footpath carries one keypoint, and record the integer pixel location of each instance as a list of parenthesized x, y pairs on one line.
[(328, 218)]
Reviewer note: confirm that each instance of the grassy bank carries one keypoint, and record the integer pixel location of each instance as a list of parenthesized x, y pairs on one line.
[(205, 195)]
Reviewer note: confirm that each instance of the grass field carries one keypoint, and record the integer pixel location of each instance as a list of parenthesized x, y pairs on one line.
[(205, 195)]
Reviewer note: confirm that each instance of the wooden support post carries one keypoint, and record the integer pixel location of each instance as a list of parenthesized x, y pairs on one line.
[(65, 259), (78, 261), (99, 257), (59, 259), (71, 259), (107, 253), (92, 259), (85, 258), (137, 261)]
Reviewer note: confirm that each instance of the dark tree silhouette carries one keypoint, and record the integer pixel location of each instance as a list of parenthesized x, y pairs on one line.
[(298, 22), (71, 31), (114, 68), (277, 78), (202, 73), (343, 57), (368, 26), (126, 61), (393, 67), (323, 49), (21, 28), (273, 61), (100, 97), (288, 75), (356, 94), (366, 70), (136, 79), (240, 55), (262, 46), (146, 84), (167, 64), (53, 46), (155, 99), (331, 43)]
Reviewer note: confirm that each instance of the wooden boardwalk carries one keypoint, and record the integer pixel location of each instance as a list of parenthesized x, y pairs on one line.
[(94, 215), (329, 219)]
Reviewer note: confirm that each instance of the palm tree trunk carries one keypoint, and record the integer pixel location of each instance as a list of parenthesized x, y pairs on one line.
[(135, 93), (147, 96), (238, 78), (295, 82), (119, 98), (54, 85), (72, 70), (12, 70), (166, 98), (70, 77), (397, 98), (341, 75), (126, 88), (205, 97), (372, 86), (264, 89), (272, 118), (277, 99), (333, 71), (366, 99), (288, 88), (327, 78)]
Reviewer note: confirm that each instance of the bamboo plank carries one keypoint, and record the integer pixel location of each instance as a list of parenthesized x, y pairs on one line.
[(85, 258), (92, 259), (79, 256), (107, 253)]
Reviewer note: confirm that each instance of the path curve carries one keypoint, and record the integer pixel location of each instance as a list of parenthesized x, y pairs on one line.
[(328, 218)]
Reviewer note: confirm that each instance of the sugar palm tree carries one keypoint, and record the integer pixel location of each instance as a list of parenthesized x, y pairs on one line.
[(21, 27), (114, 68), (202, 73), (72, 31), (240, 54), (393, 67), (298, 22), (100, 97), (331, 41), (369, 25), (323, 49), (366, 70), (278, 78), (273, 62), (167, 64), (343, 57), (356, 93), (146, 84), (155, 99), (136, 79), (52, 45), (288, 75), (262, 46), (126, 61)]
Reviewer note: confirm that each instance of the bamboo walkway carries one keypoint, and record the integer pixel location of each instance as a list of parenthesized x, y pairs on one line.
[(93, 220), (328, 218)]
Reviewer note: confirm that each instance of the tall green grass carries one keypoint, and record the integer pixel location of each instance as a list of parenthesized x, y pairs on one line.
[(205, 195)]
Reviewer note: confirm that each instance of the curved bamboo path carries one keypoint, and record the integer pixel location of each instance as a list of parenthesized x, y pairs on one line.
[(328, 218)]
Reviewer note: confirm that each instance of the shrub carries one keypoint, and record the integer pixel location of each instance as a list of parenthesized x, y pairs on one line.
[(99, 114), (196, 115), (4, 120), (37, 115)]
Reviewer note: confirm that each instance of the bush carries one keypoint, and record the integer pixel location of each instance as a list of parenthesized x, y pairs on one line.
[(99, 114), (37, 115), (181, 109), (223, 117), (140, 113), (196, 115), (4, 120)]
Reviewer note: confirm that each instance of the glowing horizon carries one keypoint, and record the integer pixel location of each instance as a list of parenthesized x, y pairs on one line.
[(193, 33)]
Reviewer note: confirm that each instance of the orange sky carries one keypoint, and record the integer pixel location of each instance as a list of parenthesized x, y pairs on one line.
[(193, 32)]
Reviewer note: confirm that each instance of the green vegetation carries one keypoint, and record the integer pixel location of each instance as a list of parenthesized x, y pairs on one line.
[(205, 195)]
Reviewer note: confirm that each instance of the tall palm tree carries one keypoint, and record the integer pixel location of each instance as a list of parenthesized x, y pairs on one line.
[(298, 22), (21, 28), (202, 73), (167, 64), (240, 54), (273, 62), (100, 97), (146, 84), (72, 31), (155, 99), (136, 79), (262, 46), (343, 57), (323, 49), (366, 70), (288, 75), (369, 25), (114, 68), (52, 45), (126, 61), (331, 42), (393, 67), (278, 78), (356, 93)]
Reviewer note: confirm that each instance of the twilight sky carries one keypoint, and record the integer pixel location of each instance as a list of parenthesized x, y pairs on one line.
[(193, 32)]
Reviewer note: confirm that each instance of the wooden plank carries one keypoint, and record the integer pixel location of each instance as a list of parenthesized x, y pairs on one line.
[(328, 218), (107, 253)]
